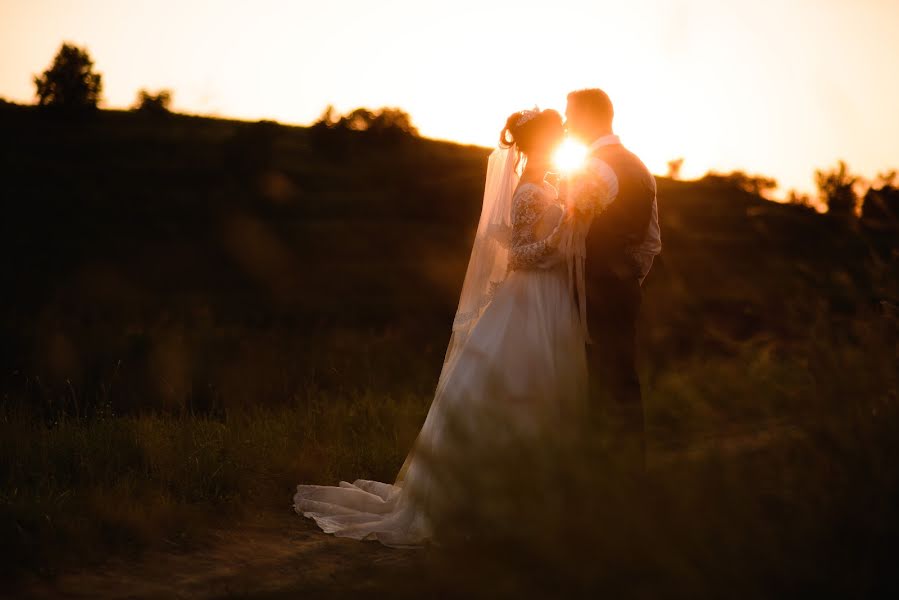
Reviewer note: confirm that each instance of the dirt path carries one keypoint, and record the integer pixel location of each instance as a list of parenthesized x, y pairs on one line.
[(277, 554)]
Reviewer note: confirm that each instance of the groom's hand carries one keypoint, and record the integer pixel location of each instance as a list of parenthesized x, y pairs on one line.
[(568, 217)]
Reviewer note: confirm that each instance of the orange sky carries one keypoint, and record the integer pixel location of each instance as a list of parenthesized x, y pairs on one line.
[(774, 87)]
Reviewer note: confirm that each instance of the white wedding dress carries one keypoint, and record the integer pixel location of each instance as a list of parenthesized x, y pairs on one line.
[(517, 350)]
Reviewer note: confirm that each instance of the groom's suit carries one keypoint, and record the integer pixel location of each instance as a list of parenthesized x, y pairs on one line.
[(620, 245)]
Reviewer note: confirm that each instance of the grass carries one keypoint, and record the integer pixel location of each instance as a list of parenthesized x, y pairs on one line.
[(127, 483), (813, 511), (810, 512)]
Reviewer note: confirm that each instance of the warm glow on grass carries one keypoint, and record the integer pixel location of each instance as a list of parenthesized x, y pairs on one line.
[(570, 156)]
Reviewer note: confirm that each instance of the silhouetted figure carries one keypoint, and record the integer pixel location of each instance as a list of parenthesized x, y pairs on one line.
[(620, 246)]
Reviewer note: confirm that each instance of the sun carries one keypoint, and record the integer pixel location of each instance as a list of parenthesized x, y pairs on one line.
[(570, 156)]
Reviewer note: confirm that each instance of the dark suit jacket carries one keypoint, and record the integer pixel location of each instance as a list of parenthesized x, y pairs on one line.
[(622, 226), (615, 233)]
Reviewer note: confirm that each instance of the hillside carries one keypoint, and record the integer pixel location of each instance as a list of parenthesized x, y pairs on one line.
[(209, 243)]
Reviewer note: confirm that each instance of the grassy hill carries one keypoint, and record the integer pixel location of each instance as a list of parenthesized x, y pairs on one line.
[(125, 229), (162, 273)]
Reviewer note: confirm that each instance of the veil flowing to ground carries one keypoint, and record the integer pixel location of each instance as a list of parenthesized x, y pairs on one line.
[(487, 265)]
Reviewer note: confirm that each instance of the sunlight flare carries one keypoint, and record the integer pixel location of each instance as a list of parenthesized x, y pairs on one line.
[(570, 156)]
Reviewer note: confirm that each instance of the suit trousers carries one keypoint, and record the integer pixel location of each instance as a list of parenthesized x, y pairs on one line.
[(615, 396)]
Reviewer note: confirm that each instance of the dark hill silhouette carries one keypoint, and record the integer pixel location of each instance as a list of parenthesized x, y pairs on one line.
[(121, 223)]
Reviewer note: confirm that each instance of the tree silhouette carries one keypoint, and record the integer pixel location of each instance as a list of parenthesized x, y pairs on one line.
[(153, 104), (327, 118), (393, 119), (383, 120), (758, 185), (334, 134), (674, 167), (887, 179), (326, 137), (881, 201), (70, 83), (358, 120), (798, 199), (836, 189)]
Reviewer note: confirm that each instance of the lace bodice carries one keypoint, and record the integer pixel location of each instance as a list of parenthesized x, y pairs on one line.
[(529, 204)]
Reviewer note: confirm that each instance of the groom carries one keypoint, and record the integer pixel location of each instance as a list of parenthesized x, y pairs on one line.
[(621, 243)]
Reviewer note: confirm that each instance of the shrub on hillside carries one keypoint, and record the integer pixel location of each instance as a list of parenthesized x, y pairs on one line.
[(836, 188), (881, 201), (758, 185), (153, 104)]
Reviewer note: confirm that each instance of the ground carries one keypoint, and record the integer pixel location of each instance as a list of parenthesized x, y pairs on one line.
[(275, 553)]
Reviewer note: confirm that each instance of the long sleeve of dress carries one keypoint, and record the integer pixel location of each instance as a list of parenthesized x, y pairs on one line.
[(525, 250)]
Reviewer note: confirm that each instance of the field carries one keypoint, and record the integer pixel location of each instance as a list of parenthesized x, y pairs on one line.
[(199, 314)]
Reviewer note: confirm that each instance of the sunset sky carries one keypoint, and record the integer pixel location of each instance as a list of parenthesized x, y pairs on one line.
[(776, 87)]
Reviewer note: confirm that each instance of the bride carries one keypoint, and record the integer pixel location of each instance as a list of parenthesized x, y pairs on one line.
[(516, 350)]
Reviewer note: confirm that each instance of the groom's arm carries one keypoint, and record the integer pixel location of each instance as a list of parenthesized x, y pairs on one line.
[(593, 189)]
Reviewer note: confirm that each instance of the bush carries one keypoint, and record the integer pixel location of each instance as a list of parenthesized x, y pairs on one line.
[(383, 120), (154, 104), (836, 189), (674, 168), (881, 203), (757, 185), (799, 199)]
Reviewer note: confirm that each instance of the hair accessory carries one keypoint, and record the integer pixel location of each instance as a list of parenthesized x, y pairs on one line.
[(526, 116)]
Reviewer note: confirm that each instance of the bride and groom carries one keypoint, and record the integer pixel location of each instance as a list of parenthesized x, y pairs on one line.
[(551, 294)]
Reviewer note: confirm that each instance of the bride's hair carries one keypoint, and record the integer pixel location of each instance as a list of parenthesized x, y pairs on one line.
[(527, 135)]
